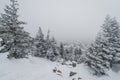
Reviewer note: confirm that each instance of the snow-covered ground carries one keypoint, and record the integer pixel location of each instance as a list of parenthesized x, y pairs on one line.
[(42, 69)]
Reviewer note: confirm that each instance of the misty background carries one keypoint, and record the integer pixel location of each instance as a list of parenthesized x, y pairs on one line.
[(68, 20)]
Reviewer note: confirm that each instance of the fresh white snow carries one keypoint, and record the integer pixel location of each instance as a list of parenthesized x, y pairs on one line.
[(41, 69)]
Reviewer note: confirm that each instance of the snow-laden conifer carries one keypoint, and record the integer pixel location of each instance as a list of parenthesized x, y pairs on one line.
[(14, 39)]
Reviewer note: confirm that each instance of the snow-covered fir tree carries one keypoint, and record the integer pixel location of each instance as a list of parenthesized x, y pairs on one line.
[(111, 36), (69, 53), (61, 50), (52, 51), (14, 39), (78, 54), (105, 51), (73, 52), (45, 47), (48, 40), (40, 44), (95, 62), (52, 48)]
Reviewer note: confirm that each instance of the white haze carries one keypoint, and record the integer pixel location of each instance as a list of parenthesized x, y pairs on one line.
[(68, 20)]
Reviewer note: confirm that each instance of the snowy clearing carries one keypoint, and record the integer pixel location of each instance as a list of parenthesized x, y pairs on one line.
[(42, 69)]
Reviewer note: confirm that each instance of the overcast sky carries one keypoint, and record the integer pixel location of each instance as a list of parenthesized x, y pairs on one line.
[(68, 20)]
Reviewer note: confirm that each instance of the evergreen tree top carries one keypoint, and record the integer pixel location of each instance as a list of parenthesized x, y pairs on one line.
[(48, 35), (10, 17), (110, 24), (40, 35)]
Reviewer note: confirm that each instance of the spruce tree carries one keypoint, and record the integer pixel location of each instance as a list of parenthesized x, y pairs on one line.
[(111, 36), (52, 51), (61, 50), (14, 39), (51, 47), (94, 61), (106, 49), (48, 40), (78, 54), (40, 44)]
